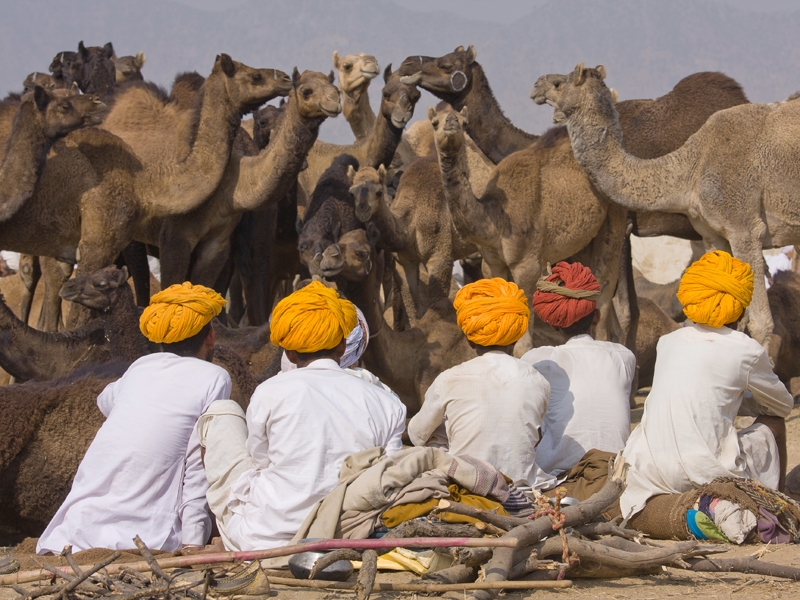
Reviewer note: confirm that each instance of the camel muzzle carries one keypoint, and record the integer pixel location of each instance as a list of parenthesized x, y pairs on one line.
[(414, 79)]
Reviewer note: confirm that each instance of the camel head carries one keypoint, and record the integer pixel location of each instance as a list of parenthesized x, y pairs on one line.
[(61, 111), (67, 66), (547, 89), (353, 258), (447, 77), (44, 80), (247, 87), (99, 291), (368, 190), (398, 99), (314, 237), (315, 94), (355, 72), (265, 120), (581, 87), (98, 73), (129, 68), (448, 129)]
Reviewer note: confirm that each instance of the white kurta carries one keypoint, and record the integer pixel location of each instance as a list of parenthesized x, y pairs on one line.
[(590, 386), (687, 436), (301, 425), (492, 407), (143, 474)]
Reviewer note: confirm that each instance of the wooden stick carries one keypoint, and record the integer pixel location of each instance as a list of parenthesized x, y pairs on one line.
[(155, 568), (429, 588), (503, 522), (743, 565), (224, 557)]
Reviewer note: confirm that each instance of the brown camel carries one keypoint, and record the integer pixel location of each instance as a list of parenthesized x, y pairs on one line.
[(662, 295), (249, 183), (407, 361), (355, 73), (725, 178), (183, 95), (331, 213), (378, 148), (520, 222), (129, 68), (416, 226)]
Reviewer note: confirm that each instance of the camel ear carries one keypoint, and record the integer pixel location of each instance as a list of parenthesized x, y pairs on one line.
[(382, 175), (579, 76), (471, 54), (431, 113), (602, 70), (387, 72), (82, 50), (74, 87), (463, 114), (40, 97), (351, 174), (330, 76), (108, 50), (336, 232), (298, 224), (226, 62), (295, 77), (282, 103), (459, 49), (122, 278), (139, 60), (373, 234), (335, 59)]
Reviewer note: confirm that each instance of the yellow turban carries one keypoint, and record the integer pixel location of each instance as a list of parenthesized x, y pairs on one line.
[(492, 312), (312, 319), (716, 289), (179, 312)]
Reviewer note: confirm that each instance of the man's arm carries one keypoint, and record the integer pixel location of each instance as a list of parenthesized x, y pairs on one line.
[(768, 391), (430, 416), (106, 399), (194, 513), (395, 443)]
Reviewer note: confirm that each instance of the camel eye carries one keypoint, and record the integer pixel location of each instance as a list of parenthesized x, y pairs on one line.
[(256, 79), (387, 95), (435, 123), (447, 69), (557, 84), (348, 68), (379, 193), (306, 93), (362, 254)]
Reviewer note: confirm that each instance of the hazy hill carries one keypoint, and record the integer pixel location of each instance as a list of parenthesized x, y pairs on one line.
[(646, 45)]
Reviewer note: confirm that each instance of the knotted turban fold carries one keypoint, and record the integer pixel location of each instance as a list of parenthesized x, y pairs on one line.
[(716, 289), (566, 296), (312, 319), (492, 312), (179, 312)]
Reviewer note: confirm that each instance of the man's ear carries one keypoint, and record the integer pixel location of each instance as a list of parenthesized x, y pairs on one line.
[(340, 349), (211, 339), (596, 318), (292, 356)]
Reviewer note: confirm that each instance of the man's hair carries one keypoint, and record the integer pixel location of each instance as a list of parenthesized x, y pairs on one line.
[(581, 326), (191, 345)]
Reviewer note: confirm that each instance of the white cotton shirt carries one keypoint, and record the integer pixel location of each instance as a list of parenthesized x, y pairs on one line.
[(687, 436), (301, 425), (492, 407), (143, 474), (590, 387)]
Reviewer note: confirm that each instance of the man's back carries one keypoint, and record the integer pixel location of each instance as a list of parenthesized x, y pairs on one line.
[(590, 385)]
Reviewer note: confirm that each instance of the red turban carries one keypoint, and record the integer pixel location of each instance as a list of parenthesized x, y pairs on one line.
[(566, 296)]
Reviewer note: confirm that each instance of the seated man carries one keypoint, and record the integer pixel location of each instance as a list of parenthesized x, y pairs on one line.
[(702, 372), (590, 380), (491, 406), (143, 474), (265, 474)]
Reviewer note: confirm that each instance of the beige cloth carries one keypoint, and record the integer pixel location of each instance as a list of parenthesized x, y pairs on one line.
[(370, 482)]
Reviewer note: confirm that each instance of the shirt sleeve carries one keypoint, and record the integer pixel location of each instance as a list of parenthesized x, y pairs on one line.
[(106, 399), (221, 389), (430, 416), (195, 517), (395, 443), (768, 391), (257, 444)]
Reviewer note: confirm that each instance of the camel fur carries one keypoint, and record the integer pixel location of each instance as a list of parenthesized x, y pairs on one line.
[(355, 72)]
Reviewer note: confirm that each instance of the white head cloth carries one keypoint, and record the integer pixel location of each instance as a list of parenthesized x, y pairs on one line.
[(357, 341)]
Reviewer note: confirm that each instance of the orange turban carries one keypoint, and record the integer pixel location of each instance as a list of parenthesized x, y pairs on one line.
[(312, 319), (179, 312), (492, 312), (716, 289), (568, 295)]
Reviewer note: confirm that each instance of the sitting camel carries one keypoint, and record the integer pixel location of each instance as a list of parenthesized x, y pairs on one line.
[(725, 178), (407, 361)]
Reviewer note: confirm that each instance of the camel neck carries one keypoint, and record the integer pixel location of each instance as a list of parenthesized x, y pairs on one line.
[(393, 232), (382, 143), (25, 156), (489, 128), (121, 325), (657, 184), (265, 179), (358, 112)]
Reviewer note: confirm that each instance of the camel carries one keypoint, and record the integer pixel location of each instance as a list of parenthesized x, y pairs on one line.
[(249, 183), (407, 361), (520, 222), (128, 68), (662, 294), (331, 213), (355, 73), (416, 226), (378, 148), (725, 178)]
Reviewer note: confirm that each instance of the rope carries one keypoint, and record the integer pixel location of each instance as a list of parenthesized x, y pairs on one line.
[(549, 286)]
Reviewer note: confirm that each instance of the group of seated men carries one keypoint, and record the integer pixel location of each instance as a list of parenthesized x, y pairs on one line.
[(175, 451)]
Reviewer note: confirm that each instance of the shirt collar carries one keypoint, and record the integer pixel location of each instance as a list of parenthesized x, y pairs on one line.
[(323, 363), (584, 337)]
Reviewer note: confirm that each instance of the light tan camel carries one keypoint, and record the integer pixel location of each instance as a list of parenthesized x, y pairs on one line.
[(521, 222), (250, 183), (736, 178), (355, 73), (407, 361), (378, 148), (129, 68)]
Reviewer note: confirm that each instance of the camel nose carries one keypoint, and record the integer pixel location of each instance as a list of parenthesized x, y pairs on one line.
[(333, 251)]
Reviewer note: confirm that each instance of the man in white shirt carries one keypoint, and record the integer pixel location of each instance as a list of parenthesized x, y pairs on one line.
[(703, 373), (590, 380), (490, 407), (266, 471), (142, 474)]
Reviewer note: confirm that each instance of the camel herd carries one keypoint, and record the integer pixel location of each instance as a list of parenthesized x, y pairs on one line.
[(102, 168)]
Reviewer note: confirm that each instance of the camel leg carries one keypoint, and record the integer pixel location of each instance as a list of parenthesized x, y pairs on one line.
[(55, 274), (410, 290), (606, 251), (760, 322), (210, 259), (526, 274), (29, 272), (135, 257), (176, 256), (440, 274)]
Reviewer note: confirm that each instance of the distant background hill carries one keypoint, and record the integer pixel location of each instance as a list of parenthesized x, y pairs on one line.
[(646, 45)]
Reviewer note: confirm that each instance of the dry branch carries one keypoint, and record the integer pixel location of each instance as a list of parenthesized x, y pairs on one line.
[(503, 522), (426, 588), (367, 574), (743, 565), (598, 529), (326, 560)]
